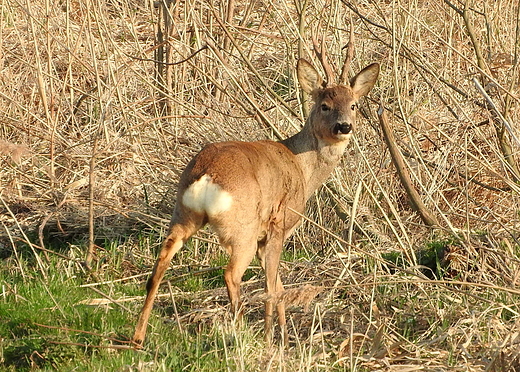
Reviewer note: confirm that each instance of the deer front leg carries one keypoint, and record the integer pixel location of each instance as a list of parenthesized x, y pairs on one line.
[(269, 255), (241, 253)]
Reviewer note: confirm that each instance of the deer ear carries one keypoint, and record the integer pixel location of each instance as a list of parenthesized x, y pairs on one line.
[(308, 77), (364, 81)]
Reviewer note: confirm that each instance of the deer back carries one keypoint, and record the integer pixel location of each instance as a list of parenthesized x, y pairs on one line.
[(244, 186)]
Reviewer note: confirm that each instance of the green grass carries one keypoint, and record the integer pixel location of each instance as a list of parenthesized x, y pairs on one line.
[(49, 322), (44, 325)]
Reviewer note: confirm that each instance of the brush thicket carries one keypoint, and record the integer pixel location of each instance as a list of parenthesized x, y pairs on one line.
[(103, 103)]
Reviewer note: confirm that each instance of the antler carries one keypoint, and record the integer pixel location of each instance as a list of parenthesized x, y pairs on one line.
[(322, 56), (343, 78), (321, 53)]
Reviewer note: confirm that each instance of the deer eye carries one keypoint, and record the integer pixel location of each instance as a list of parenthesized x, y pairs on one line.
[(325, 107), (353, 107)]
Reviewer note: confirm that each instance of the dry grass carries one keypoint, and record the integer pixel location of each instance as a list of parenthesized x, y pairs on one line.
[(90, 131)]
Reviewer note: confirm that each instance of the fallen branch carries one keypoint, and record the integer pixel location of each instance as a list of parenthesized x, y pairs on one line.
[(404, 175)]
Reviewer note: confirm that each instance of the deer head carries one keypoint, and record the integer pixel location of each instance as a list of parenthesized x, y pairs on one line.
[(335, 105)]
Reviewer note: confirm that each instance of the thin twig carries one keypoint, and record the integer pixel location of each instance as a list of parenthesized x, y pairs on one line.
[(112, 300), (204, 47), (36, 255), (496, 110), (115, 280), (71, 330)]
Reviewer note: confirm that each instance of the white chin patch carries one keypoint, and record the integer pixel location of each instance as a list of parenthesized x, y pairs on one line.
[(343, 137), (204, 196)]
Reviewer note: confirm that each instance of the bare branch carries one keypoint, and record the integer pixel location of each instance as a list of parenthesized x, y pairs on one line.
[(402, 171)]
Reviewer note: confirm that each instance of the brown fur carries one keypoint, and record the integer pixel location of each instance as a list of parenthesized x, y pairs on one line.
[(267, 181)]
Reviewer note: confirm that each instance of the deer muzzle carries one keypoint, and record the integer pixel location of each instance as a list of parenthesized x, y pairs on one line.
[(342, 128)]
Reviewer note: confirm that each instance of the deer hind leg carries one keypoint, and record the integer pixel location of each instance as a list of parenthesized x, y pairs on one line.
[(177, 236), (269, 256), (241, 254), (280, 309)]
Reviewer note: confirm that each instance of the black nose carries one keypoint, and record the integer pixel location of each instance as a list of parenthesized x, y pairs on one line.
[(342, 128)]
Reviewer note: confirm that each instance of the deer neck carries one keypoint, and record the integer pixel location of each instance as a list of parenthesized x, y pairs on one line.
[(316, 157)]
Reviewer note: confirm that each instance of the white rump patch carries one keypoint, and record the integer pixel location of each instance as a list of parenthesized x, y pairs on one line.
[(205, 196)]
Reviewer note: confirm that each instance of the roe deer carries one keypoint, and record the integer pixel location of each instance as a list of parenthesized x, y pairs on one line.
[(248, 191)]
